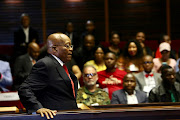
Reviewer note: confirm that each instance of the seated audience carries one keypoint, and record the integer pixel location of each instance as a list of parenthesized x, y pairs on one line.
[(69, 31), (24, 35), (165, 38), (89, 94), (111, 79), (86, 52), (140, 36), (133, 56), (24, 63), (147, 79), (114, 43), (168, 90), (5, 76), (98, 61), (165, 49), (128, 95), (89, 29)]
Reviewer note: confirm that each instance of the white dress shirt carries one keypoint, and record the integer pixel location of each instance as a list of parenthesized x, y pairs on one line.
[(150, 82), (131, 99), (26, 32)]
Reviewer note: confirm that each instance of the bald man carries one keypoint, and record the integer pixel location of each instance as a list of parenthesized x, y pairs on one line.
[(24, 63), (50, 86)]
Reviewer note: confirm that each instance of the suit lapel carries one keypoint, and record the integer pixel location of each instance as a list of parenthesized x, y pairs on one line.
[(60, 70), (155, 78), (124, 97), (138, 96), (142, 80)]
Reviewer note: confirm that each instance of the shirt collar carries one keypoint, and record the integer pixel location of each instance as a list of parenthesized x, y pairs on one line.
[(25, 28), (59, 61), (134, 93), (147, 73)]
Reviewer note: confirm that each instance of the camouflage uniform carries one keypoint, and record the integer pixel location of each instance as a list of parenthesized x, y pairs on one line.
[(88, 98)]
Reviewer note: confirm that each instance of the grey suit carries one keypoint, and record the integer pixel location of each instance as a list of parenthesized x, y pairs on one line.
[(119, 97), (140, 81), (22, 68)]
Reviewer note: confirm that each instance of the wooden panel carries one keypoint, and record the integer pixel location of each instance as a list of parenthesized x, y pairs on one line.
[(175, 24), (131, 16), (10, 12), (58, 12)]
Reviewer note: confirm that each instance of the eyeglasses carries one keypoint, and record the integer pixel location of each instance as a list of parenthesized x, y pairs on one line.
[(146, 62), (67, 46), (90, 74)]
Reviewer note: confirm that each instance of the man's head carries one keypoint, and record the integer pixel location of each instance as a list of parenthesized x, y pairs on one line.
[(110, 60), (33, 50), (140, 36), (69, 27), (90, 75), (25, 20), (165, 49), (115, 38), (148, 63), (129, 83), (90, 26), (166, 38), (59, 45), (89, 42), (168, 75)]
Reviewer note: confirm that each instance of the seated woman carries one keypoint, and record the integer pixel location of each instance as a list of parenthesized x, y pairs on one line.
[(98, 61), (165, 49), (114, 43), (133, 56)]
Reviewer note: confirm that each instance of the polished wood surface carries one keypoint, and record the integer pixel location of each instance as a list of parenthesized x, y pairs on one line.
[(155, 111)]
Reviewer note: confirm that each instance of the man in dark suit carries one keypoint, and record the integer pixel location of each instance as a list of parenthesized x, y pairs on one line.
[(147, 79), (69, 31), (24, 35), (50, 86), (24, 63), (128, 95)]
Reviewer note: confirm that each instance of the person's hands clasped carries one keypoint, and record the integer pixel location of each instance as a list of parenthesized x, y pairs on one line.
[(48, 113)]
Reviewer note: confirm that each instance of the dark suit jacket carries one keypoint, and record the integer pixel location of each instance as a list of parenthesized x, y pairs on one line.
[(48, 86), (22, 68), (19, 36), (140, 81), (19, 39), (119, 97)]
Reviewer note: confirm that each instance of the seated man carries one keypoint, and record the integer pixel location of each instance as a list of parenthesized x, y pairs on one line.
[(5, 76), (24, 63), (89, 94), (111, 79), (168, 90), (147, 79), (128, 95), (86, 52)]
